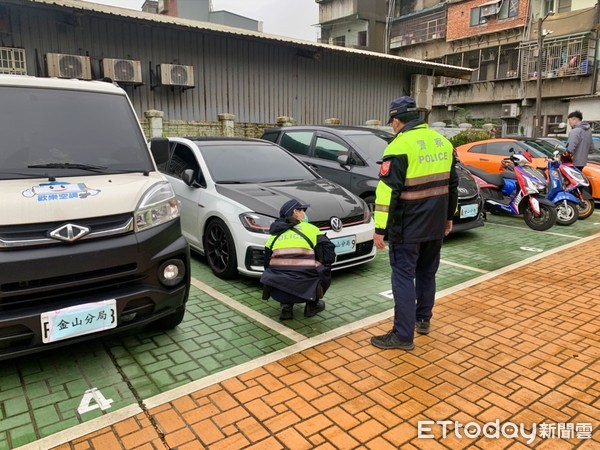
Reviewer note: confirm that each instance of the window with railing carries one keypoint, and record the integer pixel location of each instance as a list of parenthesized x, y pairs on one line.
[(362, 38), (12, 61), (509, 9), (425, 27), (561, 57), (557, 6), (512, 126), (553, 123), (340, 41), (595, 124), (493, 63)]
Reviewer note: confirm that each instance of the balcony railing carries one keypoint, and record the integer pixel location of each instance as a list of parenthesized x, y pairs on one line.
[(561, 57)]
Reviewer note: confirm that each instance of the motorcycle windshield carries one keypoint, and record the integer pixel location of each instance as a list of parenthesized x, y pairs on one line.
[(574, 175), (535, 173)]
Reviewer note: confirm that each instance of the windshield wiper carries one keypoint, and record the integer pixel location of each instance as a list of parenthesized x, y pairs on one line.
[(65, 165)]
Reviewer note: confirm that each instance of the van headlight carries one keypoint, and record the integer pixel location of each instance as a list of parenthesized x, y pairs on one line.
[(158, 206)]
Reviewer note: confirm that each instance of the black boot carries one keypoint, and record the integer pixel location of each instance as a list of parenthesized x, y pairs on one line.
[(287, 312), (313, 308)]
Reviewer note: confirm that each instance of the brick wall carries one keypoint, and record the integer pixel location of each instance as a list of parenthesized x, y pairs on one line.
[(459, 17), (189, 128)]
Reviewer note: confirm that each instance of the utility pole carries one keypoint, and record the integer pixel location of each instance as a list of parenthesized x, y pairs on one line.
[(538, 128)]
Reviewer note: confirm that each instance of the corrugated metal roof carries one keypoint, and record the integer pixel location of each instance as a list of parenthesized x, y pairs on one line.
[(437, 68)]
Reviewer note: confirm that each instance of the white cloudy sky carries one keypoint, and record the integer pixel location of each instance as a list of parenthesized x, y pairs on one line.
[(292, 18)]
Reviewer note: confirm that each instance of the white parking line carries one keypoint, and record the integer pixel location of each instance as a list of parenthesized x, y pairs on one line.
[(472, 269), (529, 229), (249, 312)]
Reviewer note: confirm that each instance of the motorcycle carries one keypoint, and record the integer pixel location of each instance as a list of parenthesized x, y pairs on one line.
[(567, 185), (518, 190)]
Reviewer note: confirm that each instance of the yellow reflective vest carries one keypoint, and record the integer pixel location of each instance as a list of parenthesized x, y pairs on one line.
[(417, 189)]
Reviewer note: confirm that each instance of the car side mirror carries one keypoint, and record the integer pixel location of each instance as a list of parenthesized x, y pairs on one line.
[(343, 160), (159, 147), (189, 177)]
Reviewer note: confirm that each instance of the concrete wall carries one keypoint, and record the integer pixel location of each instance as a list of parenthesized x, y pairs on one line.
[(589, 107)]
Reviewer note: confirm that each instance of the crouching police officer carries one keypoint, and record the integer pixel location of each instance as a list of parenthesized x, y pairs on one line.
[(298, 262), (416, 198)]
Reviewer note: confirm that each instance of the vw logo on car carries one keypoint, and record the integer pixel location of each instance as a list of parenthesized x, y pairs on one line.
[(336, 224)]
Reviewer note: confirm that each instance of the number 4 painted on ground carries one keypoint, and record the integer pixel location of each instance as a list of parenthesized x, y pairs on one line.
[(100, 401)]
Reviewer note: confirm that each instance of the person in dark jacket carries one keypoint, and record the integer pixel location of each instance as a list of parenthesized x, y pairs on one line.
[(415, 200), (580, 139), (292, 272)]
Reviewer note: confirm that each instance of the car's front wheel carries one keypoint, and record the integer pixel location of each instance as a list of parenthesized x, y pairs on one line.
[(219, 249)]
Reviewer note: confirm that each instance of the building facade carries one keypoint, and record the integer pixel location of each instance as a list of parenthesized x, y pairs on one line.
[(499, 40), (194, 71), (357, 24)]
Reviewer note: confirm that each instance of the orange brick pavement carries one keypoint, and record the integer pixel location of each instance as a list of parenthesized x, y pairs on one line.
[(523, 347)]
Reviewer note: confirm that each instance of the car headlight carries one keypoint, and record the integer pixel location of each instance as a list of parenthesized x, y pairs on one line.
[(256, 223), (367, 214), (158, 206)]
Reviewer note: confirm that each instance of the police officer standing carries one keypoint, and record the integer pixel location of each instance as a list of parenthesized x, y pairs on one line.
[(416, 198)]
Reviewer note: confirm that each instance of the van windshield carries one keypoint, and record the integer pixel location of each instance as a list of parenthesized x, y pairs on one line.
[(68, 133)]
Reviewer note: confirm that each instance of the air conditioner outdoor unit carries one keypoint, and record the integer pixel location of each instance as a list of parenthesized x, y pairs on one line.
[(510, 110), (122, 70), (488, 58), (69, 66), (176, 75)]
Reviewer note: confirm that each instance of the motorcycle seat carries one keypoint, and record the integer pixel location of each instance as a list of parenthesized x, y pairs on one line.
[(492, 178), (508, 174)]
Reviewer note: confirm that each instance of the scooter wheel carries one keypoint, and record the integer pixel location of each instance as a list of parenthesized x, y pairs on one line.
[(567, 213), (540, 222), (586, 208)]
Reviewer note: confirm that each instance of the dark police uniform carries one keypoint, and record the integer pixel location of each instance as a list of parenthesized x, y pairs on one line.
[(415, 197)]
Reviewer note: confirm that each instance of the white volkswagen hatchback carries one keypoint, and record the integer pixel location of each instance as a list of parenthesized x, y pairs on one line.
[(231, 191)]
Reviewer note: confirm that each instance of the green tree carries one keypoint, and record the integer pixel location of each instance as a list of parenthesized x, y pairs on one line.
[(464, 137)]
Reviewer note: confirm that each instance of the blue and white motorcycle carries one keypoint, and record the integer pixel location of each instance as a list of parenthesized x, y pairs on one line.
[(518, 190), (567, 189), (567, 204)]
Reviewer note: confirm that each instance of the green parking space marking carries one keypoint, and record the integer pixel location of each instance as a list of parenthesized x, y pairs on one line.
[(249, 312), (581, 228), (211, 338), (496, 245), (40, 395), (353, 296)]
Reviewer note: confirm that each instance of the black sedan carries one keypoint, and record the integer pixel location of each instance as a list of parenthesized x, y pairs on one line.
[(350, 156)]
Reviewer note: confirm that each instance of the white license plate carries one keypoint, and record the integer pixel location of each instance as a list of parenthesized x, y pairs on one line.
[(344, 244), (469, 211), (78, 320)]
